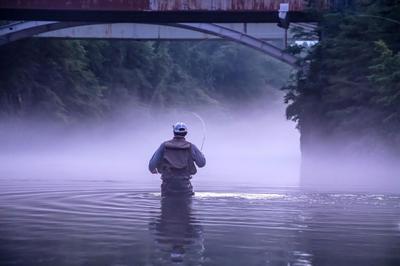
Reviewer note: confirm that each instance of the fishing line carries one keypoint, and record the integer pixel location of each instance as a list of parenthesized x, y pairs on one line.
[(204, 129)]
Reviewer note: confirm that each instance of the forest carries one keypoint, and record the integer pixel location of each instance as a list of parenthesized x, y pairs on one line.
[(347, 96), (72, 81)]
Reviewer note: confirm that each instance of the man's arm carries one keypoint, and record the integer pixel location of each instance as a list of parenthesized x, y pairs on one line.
[(198, 156), (156, 159)]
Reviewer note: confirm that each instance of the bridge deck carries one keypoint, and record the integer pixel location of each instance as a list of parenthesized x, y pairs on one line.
[(155, 10)]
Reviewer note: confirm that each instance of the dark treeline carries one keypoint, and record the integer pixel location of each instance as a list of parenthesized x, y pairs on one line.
[(347, 99), (73, 80)]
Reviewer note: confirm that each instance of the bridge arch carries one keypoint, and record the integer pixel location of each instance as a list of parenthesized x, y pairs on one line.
[(25, 29)]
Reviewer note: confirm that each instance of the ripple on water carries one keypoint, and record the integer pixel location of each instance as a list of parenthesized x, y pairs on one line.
[(119, 226), (237, 195)]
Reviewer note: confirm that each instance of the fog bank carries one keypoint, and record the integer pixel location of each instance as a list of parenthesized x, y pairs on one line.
[(251, 146)]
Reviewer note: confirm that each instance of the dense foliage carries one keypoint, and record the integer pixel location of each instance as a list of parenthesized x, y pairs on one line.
[(348, 94), (72, 80)]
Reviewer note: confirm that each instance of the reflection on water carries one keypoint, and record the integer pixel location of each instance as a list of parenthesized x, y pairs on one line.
[(106, 223), (177, 233)]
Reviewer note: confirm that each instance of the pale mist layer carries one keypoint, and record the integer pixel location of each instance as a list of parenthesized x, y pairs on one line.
[(252, 146), (348, 167)]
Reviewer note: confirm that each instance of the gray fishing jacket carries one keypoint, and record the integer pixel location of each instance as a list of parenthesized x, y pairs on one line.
[(176, 158)]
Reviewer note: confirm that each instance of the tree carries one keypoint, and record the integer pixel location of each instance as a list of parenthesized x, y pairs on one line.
[(349, 92)]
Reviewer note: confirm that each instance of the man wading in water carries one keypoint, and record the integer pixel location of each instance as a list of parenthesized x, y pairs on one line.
[(174, 160)]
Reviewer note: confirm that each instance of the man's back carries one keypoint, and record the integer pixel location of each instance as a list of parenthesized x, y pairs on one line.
[(175, 160)]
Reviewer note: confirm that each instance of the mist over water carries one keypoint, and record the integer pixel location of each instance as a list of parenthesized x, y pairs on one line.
[(249, 146)]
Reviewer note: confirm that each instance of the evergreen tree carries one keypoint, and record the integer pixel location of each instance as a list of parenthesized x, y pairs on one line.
[(348, 93)]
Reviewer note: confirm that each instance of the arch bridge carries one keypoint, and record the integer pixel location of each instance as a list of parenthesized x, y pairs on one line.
[(57, 29), (62, 18)]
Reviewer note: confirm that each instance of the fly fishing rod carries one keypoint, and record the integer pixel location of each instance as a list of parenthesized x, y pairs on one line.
[(204, 129)]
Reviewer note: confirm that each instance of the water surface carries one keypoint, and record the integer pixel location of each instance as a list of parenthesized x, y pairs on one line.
[(123, 223)]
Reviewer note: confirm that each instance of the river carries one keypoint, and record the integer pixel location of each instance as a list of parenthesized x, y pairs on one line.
[(124, 223)]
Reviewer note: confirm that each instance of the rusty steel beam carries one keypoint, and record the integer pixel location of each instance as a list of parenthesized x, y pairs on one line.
[(157, 5), (154, 11)]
